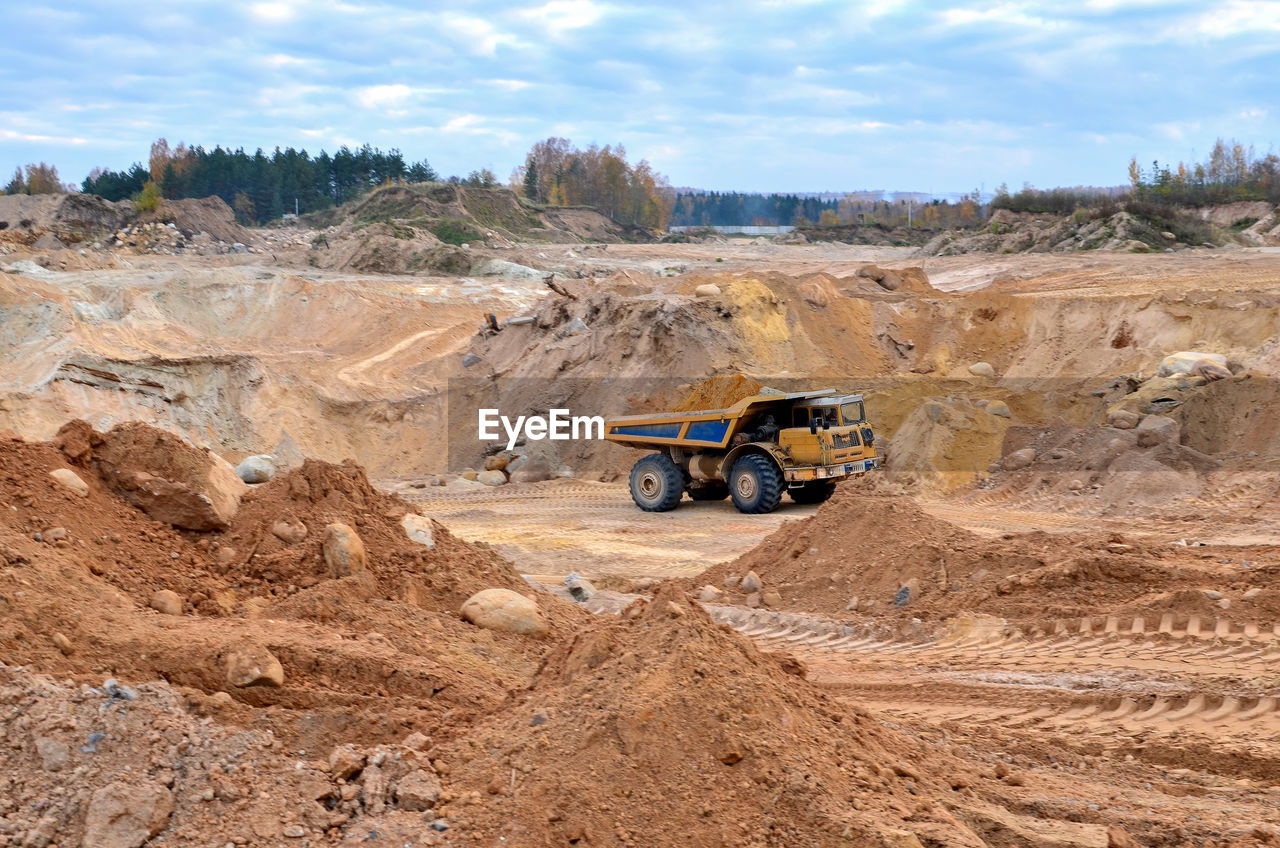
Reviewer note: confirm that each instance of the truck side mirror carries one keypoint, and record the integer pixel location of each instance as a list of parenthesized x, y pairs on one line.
[(813, 426)]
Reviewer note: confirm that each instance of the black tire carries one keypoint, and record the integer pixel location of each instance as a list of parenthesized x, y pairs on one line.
[(713, 491), (656, 483), (812, 493), (755, 483)]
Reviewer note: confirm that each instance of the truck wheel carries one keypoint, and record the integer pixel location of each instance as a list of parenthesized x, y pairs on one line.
[(713, 491), (656, 483), (755, 484), (812, 493)]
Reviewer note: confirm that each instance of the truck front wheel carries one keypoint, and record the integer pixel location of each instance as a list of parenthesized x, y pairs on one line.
[(755, 484), (656, 483)]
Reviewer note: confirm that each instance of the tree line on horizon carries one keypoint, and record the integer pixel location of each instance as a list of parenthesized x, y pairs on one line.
[(556, 173)]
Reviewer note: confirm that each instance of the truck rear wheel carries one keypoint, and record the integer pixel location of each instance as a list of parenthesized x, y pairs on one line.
[(812, 493), (656, 483), (755, 484), (708, 491)]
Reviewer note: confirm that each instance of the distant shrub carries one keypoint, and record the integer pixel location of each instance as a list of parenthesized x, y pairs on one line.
[(147, 200), (455, 231)]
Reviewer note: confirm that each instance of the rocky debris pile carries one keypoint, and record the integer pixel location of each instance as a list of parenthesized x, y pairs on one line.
[(918, 566), (116, 766), (661, 722), (1027, 232)]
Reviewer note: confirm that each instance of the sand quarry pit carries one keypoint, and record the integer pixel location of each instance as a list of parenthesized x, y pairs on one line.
[(1051, 620)]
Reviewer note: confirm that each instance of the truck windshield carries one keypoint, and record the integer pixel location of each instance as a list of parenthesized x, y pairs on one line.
[(853, 413)]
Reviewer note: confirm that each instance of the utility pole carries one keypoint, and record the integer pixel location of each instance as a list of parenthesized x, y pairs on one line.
[(908, 213)]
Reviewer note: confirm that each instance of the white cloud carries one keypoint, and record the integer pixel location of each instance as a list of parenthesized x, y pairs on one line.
[(12, 135), (383, 96), (273, 13), (561, 16), (1239, 17)]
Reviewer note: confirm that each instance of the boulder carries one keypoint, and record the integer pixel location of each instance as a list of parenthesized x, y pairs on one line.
[(167, 602), (1019, 459), (1184, 361), (123, 815), (999, 407), (1123, 419), (167, 478), (492, 478), (1157, 429), (707, 290), (69, 479), (418, 790), (343, 551), (345, 762), (710, 594), (1209, 370), (289, 530), (750, 583), (253, 665), (505, 611), (418, 529), (771, 599), (535, 469), (256, 469), (982, 369), (496, 463)]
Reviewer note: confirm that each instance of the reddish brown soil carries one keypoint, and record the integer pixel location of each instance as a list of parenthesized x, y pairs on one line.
[(869, 545)]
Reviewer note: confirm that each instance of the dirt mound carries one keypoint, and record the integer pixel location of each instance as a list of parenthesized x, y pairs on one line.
[(209, 215), (70, 218), (720, 392), (82, 571), (663, 723), (907, 563)]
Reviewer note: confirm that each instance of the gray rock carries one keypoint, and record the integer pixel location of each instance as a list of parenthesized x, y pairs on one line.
[(579, 587), (577, 325), (54, 755), (1123, 419), (1019, 459), (533, 470), (999, 407), (257, 469), (253, 665), (1212, 595), (418, 790), (1157, 429), (750, 583), (418, 529), (469, 360), (982, 369), (492, 478), (239, 248)]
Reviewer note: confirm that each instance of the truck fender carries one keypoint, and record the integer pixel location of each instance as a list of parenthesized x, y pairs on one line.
[(751, 447)]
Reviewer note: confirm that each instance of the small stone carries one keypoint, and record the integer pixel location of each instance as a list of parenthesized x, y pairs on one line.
[(1000, 408), (345, 762), (417, 741), (1250, 594), (63, 644), (71, 480), (440, 825), (674, 610), (730, 582), (505, 611), (1212, 594), (1019, 459), (579, 587), (853, 604), (54, 755), (771, 599), (496, 463), (418, 790), (1224, 603), (1157, 429), (492, 478), (982, 369), (294, 831), (253, 665), (167, 602), (1123, 419), (707, 290), (54, 534), (343, 551), (535, 469), (125, 816), (291, 531), (257, 469), (418, 529), (224, 555), (753, 600), (710, 594), (750, 583), (469, 474), (469, 360)]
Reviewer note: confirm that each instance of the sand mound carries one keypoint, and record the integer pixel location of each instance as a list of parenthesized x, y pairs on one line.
[(720, 392), (209, 215), (663, 723), (897, 560)]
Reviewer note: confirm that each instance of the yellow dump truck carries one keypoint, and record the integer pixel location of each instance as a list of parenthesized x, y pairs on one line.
[(801, 443)]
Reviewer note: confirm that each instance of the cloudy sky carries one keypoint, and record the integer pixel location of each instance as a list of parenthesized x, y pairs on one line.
[(745, 94)]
